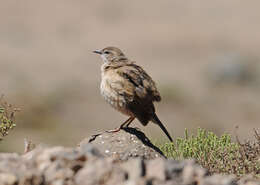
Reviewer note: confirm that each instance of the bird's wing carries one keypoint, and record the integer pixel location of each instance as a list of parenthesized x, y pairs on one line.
[(138, 82)]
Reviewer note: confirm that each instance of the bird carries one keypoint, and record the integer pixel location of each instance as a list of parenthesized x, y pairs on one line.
[(128, 88)]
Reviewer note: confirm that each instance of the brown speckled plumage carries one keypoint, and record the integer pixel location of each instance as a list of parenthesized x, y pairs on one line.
[(128, 88)]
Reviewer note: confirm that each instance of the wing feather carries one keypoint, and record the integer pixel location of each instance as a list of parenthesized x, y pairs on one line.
[(140, 83)]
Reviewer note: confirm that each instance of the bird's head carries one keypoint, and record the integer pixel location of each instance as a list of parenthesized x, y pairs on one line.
[(110, 54)]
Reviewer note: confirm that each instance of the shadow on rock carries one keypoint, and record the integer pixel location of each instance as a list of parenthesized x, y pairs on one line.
[(126, 143), (142, 137)]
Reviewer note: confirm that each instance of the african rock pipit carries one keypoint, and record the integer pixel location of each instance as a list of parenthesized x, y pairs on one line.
[(128, 88)]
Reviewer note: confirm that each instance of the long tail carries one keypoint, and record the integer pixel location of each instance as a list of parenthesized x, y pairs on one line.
[(156, 120)]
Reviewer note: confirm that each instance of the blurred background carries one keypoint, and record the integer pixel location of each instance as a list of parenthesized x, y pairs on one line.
[(204, 56)]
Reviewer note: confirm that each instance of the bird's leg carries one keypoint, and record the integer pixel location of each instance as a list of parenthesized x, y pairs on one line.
[(121, 126), (130, 121)]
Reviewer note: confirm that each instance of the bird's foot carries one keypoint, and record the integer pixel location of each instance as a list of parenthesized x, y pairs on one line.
[(114, 130), (93, 137)]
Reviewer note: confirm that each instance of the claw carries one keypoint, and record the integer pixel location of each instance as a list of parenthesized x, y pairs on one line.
[(114, 130)]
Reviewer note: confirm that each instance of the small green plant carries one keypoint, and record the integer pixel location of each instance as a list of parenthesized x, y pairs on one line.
[(217, 154), (7, 115)]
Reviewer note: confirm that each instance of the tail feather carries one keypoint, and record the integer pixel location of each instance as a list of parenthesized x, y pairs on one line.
[(156, 120)]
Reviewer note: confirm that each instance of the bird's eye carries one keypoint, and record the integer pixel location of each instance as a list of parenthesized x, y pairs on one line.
[(106, 52)]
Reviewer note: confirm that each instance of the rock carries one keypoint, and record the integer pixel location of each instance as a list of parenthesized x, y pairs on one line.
[(58, 170), (155, 169), (125, 144), (86, 165), (9, 162), (89, 149), (248, 180), (117, 177), (219, 180), (137, 164), (136, 182), (101, 171), (193, 173), (8, 156), (8, 179), (31, 176), (173, 169)]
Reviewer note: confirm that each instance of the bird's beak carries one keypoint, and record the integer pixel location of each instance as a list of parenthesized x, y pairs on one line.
[(98, 52)]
